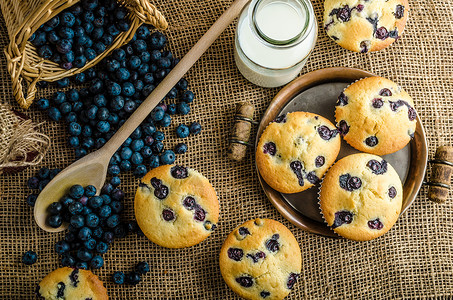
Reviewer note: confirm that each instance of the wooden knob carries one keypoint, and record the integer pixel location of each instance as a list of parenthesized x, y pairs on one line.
[(240, 134), (442, 169)]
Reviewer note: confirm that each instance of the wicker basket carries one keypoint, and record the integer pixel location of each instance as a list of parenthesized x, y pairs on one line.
[(24, 17)]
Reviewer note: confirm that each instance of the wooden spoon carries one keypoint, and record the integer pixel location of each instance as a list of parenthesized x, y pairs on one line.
[(92, 169)]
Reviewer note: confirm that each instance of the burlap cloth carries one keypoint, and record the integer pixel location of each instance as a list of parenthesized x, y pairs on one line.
[(413, 260)]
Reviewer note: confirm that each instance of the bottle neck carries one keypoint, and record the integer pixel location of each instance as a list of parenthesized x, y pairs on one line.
[(280, 23)]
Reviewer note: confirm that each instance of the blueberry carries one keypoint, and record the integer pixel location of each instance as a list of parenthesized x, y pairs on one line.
[(158, 136), (40, 39), (84, 233), (137, 133), (105, 211), (79, 61), (92, 220), (62, 247), (66, 33), (67, 260), (65, 108), (66, 201), (187, 96), (115, 181), (136, 158), (45, 51), (119, 54), (157, 40), (133, 278), (95, 202), (96, 262), (31, 199), (66, 19), (149, 129), (392, 192), (76, 191), (74, 129), (375, 224), (84, 255), (43, 104), (157, 147), (90, 244), (292, 280), (101, 247), (147, 89), (342, 217), (122, 74), (140, 171), (142, 267), (154, 161), (183, 108), (146, 152), (103, 126), (77, 221), (155, 55), (99, 47), (195, 128), (33, 183), (139, 45), (108, 237), (54, 221), (245, 281), (89, 54), (54, 22), (371, 141), (55, 208), (182, 85), (29, 257), (166, 121), (167, 157), (71, 116), (52, 37), (118, 277), (63, 46)]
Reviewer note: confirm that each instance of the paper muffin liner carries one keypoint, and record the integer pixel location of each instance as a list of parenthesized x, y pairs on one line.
[(319, 200)]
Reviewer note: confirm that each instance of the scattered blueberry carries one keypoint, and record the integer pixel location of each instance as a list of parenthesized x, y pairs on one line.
[(29, 258)]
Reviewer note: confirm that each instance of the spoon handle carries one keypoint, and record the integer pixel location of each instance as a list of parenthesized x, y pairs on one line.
[(173, 77)]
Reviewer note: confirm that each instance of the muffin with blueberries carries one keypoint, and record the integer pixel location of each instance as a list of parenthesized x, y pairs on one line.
[(296, 150), (365, 25), (261, 259), (69, 283), (176, 206), (361, 197), (376, 116)]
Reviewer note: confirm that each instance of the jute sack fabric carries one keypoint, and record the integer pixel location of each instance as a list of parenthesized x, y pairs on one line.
[(414, 260), (24, 17), (21, 145)]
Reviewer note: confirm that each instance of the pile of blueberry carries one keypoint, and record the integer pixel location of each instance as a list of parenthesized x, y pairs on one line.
[(115, 89), (80, 33), (38, 182), (94, 222), (133, 277)]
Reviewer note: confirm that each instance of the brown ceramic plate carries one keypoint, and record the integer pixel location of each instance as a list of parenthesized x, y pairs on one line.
[(317, 92)]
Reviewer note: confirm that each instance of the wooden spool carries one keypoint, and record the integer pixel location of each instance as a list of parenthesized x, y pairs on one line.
[(240, 135), (442, 169)]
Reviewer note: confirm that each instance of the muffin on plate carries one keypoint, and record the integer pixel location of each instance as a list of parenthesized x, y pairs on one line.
[(69, 283), (365, 25), (176, 206), (376, 116), (361, 197), (295, 151), (261, 259)]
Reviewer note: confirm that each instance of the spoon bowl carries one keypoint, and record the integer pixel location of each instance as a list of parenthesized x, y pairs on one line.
[(92, 169)]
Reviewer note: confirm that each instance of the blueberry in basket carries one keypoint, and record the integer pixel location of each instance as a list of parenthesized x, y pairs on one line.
[(81, 32), (113, 90)]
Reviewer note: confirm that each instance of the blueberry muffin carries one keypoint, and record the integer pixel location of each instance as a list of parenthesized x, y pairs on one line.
[(176, 206), (68, 283), (365, 25), (296, 150), (361, 197), (261, 259), (375, 115)]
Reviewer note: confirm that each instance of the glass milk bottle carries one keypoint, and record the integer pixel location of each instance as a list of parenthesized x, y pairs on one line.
[(274, 39)]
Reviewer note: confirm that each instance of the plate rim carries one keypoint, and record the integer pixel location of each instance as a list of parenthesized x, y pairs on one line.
[(419, 147)]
